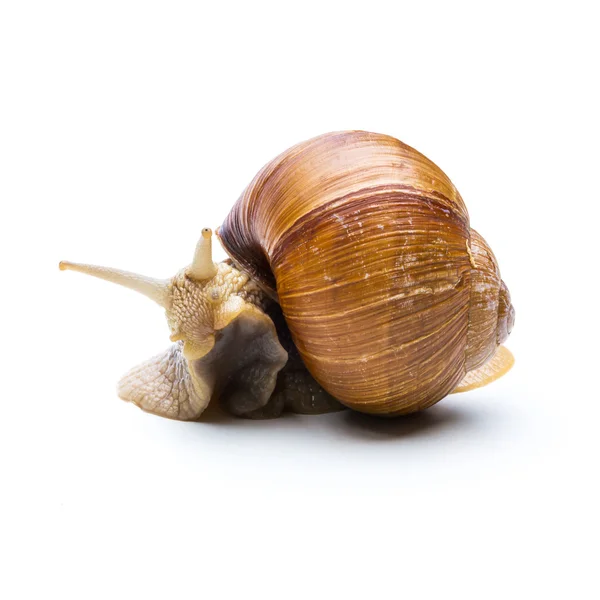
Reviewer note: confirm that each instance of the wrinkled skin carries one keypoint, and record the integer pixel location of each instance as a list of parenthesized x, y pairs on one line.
[(232, 346)]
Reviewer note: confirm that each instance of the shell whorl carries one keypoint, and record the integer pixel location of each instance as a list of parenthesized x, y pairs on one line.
[(367, 246), (491, 314)]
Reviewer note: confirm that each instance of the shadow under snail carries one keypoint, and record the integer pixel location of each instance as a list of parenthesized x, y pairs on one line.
[(355, 281)]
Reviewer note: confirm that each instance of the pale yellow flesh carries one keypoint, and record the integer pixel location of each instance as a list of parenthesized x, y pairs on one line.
[(500, 364), (241, 369), (225, 346)]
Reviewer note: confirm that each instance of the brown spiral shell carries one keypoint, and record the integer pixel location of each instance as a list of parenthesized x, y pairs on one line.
[(389, 295)]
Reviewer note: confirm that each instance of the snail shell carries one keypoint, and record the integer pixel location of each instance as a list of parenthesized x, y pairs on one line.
[(390, 297)]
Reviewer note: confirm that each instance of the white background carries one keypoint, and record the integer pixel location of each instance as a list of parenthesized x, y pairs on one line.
[(126, 127)]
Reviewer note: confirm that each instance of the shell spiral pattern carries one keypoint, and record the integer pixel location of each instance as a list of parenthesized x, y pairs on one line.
[(367, 246)]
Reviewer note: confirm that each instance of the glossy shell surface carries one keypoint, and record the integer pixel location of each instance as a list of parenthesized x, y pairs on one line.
[(366, 244)]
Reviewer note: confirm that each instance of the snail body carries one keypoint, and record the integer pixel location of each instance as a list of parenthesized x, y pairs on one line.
[(355, 278)]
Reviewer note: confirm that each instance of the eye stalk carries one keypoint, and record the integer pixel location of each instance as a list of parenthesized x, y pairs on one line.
[(155, 289), (203, 267)]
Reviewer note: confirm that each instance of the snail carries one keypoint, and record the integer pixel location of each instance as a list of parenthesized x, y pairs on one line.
[(354, 280)]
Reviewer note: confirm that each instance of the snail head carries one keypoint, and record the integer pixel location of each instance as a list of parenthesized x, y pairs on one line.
[(193, 299), (225, 345)]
